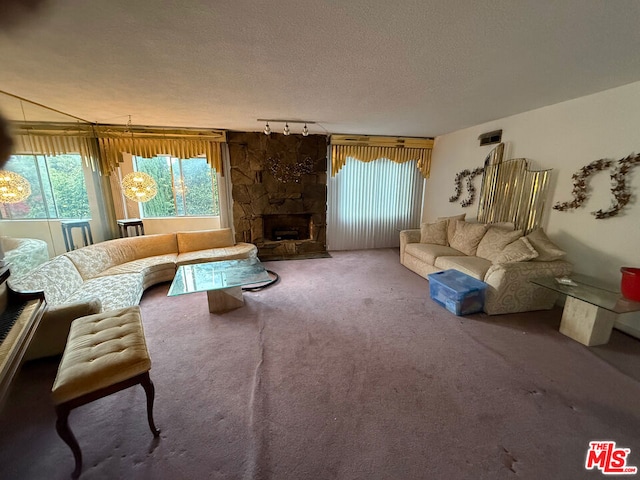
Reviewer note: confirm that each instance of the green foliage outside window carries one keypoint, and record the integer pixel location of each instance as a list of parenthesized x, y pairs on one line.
[(186, 187), (58, 188)]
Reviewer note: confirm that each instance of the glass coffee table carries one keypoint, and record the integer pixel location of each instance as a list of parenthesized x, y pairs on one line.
[(590, 310), (222, 281)]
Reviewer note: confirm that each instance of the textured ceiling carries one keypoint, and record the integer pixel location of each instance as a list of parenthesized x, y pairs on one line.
[(412, 67)]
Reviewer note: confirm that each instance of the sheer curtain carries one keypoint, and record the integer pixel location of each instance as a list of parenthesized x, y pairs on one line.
[(369, 203)]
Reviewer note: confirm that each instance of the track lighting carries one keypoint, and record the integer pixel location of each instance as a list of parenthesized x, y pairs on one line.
[(287, 129)]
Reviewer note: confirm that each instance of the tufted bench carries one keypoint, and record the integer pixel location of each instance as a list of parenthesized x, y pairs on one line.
[(105, 353)]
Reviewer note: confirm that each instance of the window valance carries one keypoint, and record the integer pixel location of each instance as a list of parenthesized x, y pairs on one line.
[(149, 142), (369, 148), (32, 138)]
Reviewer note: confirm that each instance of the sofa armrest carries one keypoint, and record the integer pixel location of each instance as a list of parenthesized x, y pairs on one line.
[(408, 236), (51, 336), (510, 290)]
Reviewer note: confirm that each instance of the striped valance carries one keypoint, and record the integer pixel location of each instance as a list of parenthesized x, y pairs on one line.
[(368, 148), (56, 139), (149, 142)]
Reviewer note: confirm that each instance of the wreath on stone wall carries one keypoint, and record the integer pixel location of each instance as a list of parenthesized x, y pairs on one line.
[(619, 189), (469, 175), (288, 172)]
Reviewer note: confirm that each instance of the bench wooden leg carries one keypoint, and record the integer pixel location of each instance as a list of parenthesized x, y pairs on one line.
[(63, 410), (62, 427), (150, 390)]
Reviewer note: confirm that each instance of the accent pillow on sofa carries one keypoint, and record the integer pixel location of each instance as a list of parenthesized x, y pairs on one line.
[(518, 251), (495, 240), (468, 236), (434, 233), (547, 250), (451, 225)]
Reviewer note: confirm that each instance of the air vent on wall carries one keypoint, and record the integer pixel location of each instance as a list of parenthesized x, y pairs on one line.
[(490, 138)]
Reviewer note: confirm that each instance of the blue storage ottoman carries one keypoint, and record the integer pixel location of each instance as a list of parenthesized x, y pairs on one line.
[(457, 292)]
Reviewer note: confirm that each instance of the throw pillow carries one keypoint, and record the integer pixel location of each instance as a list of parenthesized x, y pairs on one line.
[(495, 240), (451, 225), (468, 236), (435, 233), (547, 250), (518, 251)]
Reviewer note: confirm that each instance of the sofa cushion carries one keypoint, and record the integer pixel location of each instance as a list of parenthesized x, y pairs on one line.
[(144, 246), (204, 239), (241, 250), (547, 250), (468, 236), (451, 225), (474, 266), (428, 253), (435, 233), (114, 291), (92, 260), (518, 251), (144, 265), (57, 278), (494, 241)]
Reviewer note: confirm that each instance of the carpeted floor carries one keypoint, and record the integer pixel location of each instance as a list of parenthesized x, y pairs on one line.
[(345, 369)]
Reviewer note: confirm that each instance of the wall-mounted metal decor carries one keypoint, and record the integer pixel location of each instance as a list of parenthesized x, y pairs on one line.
[(511, 192), (619, 189)]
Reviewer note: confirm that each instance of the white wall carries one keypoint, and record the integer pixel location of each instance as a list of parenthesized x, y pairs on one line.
[(565, 137)]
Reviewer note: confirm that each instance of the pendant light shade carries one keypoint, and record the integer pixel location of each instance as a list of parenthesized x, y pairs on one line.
[(139, 186), (14, 188)]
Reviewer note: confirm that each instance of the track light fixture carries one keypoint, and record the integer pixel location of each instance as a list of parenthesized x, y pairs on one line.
[(287, 129)]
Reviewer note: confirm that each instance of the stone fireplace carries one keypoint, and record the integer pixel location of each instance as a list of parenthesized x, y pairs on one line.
[(279, 191)]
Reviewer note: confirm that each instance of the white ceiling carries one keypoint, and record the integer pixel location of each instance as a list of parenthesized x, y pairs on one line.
[(411, 67)]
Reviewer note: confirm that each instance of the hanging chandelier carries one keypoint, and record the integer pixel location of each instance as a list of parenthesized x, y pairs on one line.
[(14, 188), (139, 186)]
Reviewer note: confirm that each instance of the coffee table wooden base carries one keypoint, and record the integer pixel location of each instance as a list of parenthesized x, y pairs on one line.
[(586, 323), (221, 301)]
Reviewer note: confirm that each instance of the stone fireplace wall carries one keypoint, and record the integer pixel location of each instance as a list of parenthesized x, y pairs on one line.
[(283, 176)]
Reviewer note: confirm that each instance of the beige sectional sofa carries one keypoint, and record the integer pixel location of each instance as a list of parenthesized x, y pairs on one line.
[(496, 254), (114, 274)]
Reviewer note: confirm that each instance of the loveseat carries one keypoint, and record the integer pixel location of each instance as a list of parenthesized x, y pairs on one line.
[(496, 254), (114, 274)]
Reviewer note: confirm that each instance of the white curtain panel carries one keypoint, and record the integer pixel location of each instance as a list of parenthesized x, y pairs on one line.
[(369, 203)]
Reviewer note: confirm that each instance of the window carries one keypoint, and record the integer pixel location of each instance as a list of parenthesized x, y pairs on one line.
[(186, 187), (369, 203), (58, 188)]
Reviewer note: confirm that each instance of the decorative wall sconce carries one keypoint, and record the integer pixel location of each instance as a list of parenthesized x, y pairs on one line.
[(139, 186), (286, 130), (14, 188)]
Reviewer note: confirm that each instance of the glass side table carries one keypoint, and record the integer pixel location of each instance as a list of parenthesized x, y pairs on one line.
[(590, 310)]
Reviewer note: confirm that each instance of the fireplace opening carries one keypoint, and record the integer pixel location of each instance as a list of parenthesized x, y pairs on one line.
[(287, 227)]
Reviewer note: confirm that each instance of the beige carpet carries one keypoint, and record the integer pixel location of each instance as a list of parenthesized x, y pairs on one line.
[(343, 370)]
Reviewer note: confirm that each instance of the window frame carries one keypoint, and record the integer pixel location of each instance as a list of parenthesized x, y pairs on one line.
[(45, 188), (171, 160)]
